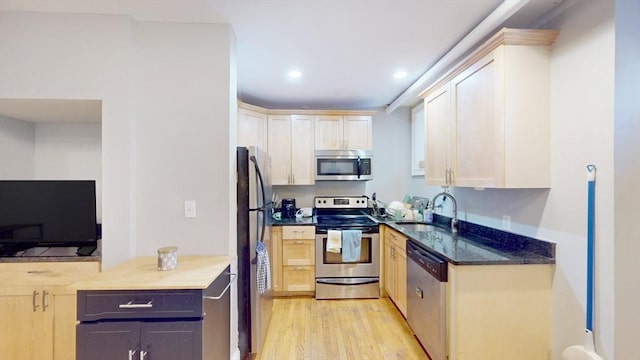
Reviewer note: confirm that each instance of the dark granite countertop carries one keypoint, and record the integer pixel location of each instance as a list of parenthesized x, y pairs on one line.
[(294, 221), (53, 254), (478, 245), (27, 259), (471, 245)]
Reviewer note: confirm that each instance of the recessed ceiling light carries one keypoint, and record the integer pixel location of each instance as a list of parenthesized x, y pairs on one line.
[(399, 74), (295, 74)]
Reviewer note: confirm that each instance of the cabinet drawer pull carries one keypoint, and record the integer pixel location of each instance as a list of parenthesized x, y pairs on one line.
[(235, 276), (39, 272), (33, 300), (299, 268), (44, 301), (131, 353), (131, 305), (299, 242)]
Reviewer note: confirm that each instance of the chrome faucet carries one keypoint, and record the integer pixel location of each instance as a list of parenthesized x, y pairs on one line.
[(454, 218)]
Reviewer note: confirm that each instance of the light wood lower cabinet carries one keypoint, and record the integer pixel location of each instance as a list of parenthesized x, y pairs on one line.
[(499, 311), (395, 268), (38, 309), (293, 265)]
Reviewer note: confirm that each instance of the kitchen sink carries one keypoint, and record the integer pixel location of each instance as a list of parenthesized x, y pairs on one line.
[(417, 227)]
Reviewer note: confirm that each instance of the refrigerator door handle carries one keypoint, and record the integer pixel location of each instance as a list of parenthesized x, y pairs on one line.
[(260, 208)]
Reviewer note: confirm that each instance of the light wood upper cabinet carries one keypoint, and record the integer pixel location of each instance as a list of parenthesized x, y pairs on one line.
[(487, 120), (329, 132), (439, 155), (479, 123), (334, 132), (252, 128), (291, 136), (302, 151), (357, 132), (290, 144)]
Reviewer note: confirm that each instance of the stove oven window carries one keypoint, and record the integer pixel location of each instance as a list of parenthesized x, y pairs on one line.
[(336, 258)]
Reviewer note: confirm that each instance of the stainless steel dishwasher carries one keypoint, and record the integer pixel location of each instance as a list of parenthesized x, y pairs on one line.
[(426, 299)]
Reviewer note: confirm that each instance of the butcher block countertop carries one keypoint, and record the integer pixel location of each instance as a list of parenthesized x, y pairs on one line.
[(141, 273)]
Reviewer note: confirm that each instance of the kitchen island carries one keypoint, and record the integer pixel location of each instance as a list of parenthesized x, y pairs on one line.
[(135, 311)]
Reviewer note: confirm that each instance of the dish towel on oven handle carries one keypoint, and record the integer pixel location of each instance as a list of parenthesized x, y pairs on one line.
[(351, 245), (264, 268), (334, 241)]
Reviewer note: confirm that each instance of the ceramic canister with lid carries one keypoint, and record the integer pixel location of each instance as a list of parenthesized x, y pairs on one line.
[(167, 258)]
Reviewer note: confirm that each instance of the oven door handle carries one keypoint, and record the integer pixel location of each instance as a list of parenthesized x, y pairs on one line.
[(347, 281)]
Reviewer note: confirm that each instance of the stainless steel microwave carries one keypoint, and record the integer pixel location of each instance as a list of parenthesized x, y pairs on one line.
[(343, 164)]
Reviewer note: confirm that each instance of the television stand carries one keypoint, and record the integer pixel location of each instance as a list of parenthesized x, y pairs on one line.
[(86, 250)]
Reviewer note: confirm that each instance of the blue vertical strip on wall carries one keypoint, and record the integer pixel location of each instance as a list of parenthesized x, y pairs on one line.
[(591, 189)]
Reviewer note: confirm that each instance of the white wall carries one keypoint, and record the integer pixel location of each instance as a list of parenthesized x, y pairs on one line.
[(70, 151), (167, 105), (627, 175), (64, 56), (17, 149), (582, 73), (392, 151), (182, 137), (582, 133)]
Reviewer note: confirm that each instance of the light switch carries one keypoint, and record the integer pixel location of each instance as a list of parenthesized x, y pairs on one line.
[(189, 208), (506, 222)]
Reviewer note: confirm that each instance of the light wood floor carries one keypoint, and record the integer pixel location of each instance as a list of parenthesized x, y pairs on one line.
[(305, 328)]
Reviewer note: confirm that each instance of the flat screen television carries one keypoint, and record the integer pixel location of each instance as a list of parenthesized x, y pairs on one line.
[(46, 213)]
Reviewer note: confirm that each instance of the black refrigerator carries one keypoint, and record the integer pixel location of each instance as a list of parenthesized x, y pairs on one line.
[(254, 214)]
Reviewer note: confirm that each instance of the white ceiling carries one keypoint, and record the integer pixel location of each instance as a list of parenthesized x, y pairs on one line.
[(347, 50)]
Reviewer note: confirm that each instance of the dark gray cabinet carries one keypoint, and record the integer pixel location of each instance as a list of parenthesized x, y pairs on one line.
[(139, 340), (179, 324)]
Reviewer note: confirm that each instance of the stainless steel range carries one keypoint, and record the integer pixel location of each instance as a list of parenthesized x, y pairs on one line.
[(347, 248)]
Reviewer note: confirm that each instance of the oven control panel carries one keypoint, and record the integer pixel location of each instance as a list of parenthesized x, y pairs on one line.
[(341, 202)]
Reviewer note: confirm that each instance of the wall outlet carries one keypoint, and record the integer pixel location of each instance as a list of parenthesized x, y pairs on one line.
[(506, 222), (189, 208)]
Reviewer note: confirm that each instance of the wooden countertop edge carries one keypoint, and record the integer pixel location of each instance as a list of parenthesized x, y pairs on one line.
[(141, 273)]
